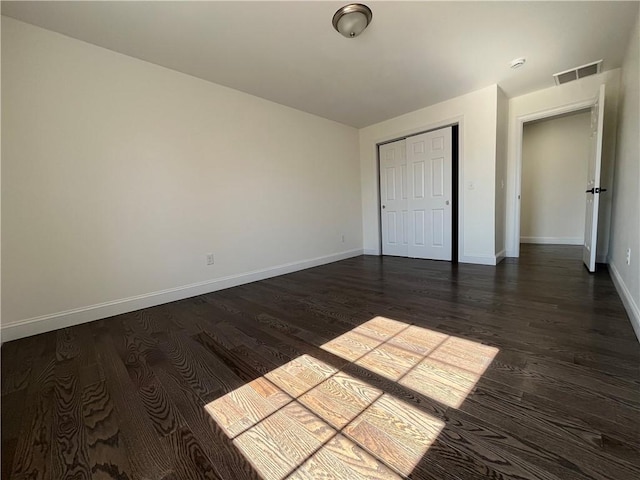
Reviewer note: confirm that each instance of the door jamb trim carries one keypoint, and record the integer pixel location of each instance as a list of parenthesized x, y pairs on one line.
[(520, 121)]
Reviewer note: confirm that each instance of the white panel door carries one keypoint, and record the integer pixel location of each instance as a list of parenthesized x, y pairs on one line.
[(429, 168), (393, 198), (593, 183)]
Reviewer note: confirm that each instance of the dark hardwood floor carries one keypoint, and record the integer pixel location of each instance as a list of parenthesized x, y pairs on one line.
[(190, 390)]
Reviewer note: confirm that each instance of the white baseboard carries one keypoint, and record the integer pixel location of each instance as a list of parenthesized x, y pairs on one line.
[(46, 323), (371, 251), (629, 303), (553, 240), (513, 254), (500, 256), (478, 259)]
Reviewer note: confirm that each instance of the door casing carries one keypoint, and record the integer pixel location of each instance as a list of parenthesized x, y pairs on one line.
[(520, 121)]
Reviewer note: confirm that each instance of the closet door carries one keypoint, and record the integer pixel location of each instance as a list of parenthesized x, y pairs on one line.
[(429, 169), (393, 198)]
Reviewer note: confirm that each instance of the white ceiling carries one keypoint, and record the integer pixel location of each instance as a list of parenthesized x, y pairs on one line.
[(413, 54)]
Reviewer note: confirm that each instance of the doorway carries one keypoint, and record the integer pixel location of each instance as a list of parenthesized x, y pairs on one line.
[(554, 173), (591, 196), (418, 186)]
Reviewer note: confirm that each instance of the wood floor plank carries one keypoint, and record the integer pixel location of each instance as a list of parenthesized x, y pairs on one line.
[(32, 457), (564, 458), (616, 409), (22, 361), (277, 446), (106, 448), (13, 408), (146, 455), (340, 399), (69, 443), (191, 361), (154, 400), (395, 432), (227, 461), (188, 457), (364, 368), (565, 421), (341, 458), (247, 406)]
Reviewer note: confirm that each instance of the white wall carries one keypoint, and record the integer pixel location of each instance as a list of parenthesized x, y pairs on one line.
[(555, 98), (625, 223), (501, 172), (476, 113), (119, 176), (554, 174), (1, 338)]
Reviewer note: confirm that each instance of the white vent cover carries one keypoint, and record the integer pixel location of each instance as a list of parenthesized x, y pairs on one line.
[(577, 72)]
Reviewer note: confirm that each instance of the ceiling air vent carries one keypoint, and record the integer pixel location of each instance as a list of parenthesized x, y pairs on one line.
[(577, 72)]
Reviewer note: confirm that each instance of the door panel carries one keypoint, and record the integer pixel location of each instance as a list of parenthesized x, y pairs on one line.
[(392, 227), (438, 227), (393, 198), (403, 170), (430, 203), (391, 184), (419, 228), (593, 182), (405, 228), (418, 180), (437, 177)]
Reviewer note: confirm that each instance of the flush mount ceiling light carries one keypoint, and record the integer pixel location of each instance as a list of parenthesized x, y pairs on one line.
[(517, 63), (352, 19)]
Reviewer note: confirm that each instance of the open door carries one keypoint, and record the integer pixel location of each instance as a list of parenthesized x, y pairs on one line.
[(593, 183)]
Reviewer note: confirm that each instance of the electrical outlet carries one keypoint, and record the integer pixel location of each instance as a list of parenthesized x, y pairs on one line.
[(342, 238), (210, 259), (628, 256)]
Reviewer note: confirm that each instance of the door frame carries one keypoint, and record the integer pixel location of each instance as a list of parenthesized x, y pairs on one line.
[(456, 179), (520, 121)]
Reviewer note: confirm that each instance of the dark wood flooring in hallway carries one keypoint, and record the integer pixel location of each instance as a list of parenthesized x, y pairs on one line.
[(365, 368)]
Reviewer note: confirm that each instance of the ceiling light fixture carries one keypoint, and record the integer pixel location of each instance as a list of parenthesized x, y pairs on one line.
[(352, 19), (518, 62)]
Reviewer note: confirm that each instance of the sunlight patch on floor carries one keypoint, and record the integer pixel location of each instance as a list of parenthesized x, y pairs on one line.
[(434, 364), (307, 419)]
